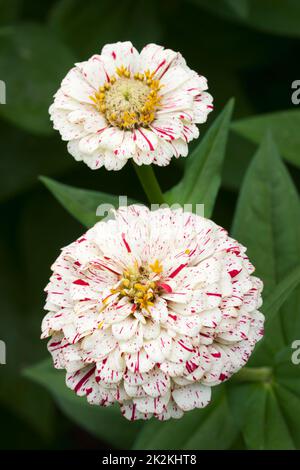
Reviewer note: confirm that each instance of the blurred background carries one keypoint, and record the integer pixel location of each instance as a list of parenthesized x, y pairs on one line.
[(247, 49)]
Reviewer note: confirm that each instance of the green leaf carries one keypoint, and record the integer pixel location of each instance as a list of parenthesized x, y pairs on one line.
[(105, 423), (24, 157), (267, 222), (284, 126), (209, 428), (283, 16), (290, 408), (9, 11), (32, 62), (82, 203), (277, 298), (268, 412), (18, 396), (240, 8), (257, 409), (202, 175), (226, 8), (101, 24)]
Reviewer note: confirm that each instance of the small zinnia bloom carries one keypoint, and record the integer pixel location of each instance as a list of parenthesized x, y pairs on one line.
[(121, 104), (150, 310)]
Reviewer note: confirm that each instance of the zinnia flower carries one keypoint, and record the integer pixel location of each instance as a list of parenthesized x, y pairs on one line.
[(122, 104), (150, 310)]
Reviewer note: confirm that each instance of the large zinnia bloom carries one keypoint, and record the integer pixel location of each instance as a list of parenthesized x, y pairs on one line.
[(151, 309), (122, 104)]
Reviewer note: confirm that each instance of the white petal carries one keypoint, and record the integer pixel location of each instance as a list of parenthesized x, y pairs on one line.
[(81, 380), (113, 162), (172, 411), (173, 78), (117, 312), (76, 87), (181, 351), (202, 107), (145, 139), (158, 383), (159, 311), (125, 329), (192, 396), (67, 129), (159, 348), (93, 71), (167, 129), (134, 390), (127, 147), (122, 53), (152, 405), (100, 396), (111, 138), (139, 362), (180, 148), (134, 344), (156, 59), (151, 330), (129, 411), (99, 344)]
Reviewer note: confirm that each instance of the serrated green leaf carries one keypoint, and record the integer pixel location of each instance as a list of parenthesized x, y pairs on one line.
[(202, 175), (209, 428), (284, 126), (105, 423), (82, 203)]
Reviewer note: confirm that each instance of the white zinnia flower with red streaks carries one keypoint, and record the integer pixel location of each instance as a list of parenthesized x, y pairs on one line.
[(122, 104), (150, 310)]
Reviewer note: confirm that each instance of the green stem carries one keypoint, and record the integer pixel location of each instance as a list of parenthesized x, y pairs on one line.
[(150, 184), (253, 374)]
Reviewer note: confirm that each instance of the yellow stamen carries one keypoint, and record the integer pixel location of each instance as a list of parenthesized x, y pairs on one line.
[(156, 267), (139, 284), (140, 287), (128, 101)]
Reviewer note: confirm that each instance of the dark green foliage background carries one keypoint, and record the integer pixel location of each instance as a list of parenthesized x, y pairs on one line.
[(248, 49)]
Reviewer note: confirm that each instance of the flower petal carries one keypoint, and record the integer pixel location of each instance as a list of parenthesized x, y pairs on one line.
[(192, 396)]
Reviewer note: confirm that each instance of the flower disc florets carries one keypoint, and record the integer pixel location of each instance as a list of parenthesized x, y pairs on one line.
[(129, 102)]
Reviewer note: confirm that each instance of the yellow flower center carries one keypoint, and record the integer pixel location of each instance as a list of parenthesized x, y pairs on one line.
[(140, 285), (128, 101)]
